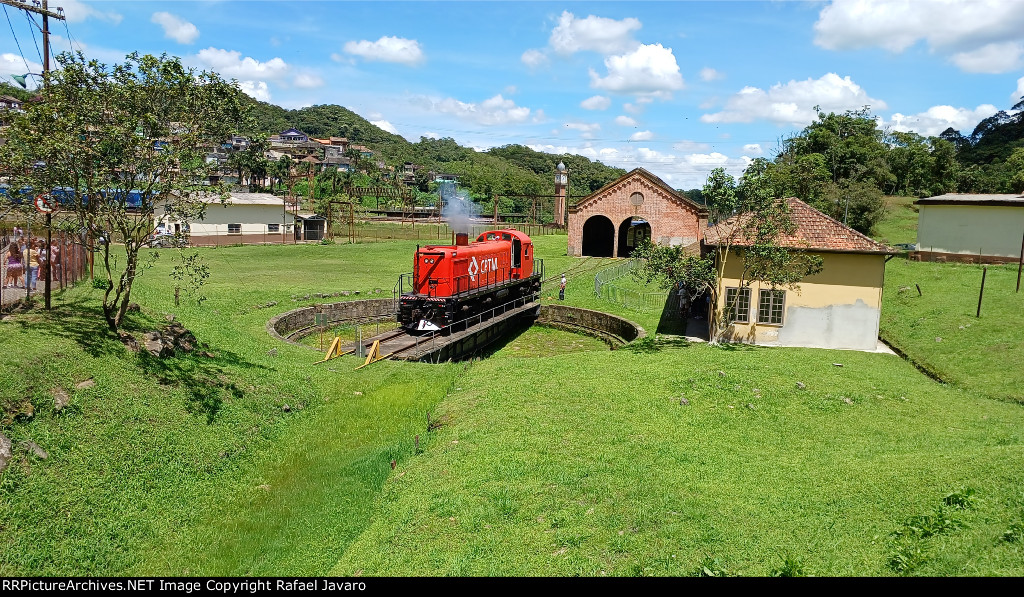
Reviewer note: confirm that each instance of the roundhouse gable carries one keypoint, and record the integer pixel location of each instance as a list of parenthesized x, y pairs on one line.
[(673, 220)]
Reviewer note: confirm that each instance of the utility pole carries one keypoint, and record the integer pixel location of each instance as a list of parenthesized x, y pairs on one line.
[(43, 10)]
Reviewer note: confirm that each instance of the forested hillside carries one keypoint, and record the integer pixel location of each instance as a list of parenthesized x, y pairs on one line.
[(508, 170)]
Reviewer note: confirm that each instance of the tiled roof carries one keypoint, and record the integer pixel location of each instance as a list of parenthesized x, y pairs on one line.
[(814, 231), (653, 179)]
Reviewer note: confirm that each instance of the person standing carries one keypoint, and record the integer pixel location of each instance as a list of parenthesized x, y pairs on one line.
[(33, 263), (561, 289), (14, 266)]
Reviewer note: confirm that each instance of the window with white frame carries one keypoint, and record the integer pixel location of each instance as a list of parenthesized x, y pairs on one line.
[(770, 306), (737, 309), (234, 228), (273, 227)]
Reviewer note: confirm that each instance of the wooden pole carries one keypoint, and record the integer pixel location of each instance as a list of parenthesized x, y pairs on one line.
[(981, 292)]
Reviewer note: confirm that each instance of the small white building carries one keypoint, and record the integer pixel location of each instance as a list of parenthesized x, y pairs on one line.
[(985, 228), (245, 218)]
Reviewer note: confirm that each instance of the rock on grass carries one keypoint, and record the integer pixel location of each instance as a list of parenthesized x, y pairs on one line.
[(5, 452)]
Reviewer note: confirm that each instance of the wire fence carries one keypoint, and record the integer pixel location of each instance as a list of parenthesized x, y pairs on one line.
[(605, 287), (25, 259), (364, 232)]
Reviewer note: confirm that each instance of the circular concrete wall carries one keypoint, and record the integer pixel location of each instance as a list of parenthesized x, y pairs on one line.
[(300, 322)]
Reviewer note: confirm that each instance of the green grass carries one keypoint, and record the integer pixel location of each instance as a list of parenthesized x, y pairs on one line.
[(982, 354), (190, 465), (588, 464), (900, 222)]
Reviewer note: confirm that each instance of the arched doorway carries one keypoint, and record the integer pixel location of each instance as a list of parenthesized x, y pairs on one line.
[(598, 237), (632, 232)]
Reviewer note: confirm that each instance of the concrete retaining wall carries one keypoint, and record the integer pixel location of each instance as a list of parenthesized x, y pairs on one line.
[(284, 326), (622, 330)]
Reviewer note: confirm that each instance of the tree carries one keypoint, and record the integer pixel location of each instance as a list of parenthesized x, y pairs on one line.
[(123, 141), (748, 221)]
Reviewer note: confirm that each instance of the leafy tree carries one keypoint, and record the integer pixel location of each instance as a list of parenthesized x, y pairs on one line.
[(123, 140), (749, 221)]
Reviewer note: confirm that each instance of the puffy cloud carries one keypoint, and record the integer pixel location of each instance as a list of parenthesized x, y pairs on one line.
[(230, 63), (991, 58), (12, 64), (76, 11), (533, 58), (936, 119), (308, 81), (793, 103), (964, 27), (710, 74), (491, 111), (586, 129), (431, 135), (684, 170), (641, 136), (1018, 95), (385, 125), (256, 89), (650, 69), (597, 34), (624, 121), (176, 28), (597, 102), (753, 148), (387, 49)]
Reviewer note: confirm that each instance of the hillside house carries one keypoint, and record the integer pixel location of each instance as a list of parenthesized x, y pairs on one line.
[(245, 218), (837, 308)]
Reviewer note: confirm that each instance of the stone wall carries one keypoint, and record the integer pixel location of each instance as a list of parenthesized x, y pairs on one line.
[(623, 330), (283, 325)]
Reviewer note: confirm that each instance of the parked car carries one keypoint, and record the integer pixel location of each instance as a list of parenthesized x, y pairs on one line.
[(906, 246)]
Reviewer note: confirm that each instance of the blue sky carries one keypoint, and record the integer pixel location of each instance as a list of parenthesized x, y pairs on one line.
[(676, 87)]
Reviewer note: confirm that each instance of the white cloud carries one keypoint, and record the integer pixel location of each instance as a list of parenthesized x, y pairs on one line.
[(491, 111), (175, 28), (633, 108), (597, 34), (962, 27), (597, 102), (12, 64), (76, 11), (684, 170), (533, 58), (753, 148), (385, 125), (586, 129), (387, 49), (431, 135), (308, 81), (256, 89), (793, 103), (650, 69), (1018, 95), (510, 89), (337, 57), (624, 121), (936, 119), (641, 136), (991, 58), (710, 74), (230, 63), (690, 146)]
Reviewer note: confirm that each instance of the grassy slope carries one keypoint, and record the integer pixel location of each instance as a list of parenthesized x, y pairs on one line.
[(588, 464), (979, 353), (900, 222), (158, 468)]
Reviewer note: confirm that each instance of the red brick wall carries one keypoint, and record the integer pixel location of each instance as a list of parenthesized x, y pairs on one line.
[(672, 221)]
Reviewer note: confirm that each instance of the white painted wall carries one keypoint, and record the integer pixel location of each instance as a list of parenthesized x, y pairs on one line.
[(990, 229), (253, 219)]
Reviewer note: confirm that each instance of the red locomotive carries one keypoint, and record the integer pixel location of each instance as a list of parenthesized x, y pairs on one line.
[(452, 283)]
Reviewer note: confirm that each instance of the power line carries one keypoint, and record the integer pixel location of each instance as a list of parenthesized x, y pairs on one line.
[(28, 17), (18, 43)]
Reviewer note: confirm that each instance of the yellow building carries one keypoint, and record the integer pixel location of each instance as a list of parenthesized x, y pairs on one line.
[(837, 308)]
